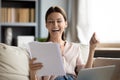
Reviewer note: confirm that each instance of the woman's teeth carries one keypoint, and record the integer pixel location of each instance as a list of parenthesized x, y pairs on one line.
[(54, 30)]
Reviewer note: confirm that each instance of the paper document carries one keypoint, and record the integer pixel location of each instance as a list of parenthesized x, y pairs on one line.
[(49, 55)]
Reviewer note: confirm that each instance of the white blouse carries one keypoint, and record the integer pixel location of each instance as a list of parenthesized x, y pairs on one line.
[(72, 57)]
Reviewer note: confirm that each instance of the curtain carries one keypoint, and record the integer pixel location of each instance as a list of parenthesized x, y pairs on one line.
[(72, 19), (78, 29)]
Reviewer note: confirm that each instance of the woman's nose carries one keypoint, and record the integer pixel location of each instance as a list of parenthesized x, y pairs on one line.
[(55, 23)]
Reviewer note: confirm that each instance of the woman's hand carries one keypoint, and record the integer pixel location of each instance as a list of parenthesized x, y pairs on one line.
[(37, 66), (33, 68), (93, 42)]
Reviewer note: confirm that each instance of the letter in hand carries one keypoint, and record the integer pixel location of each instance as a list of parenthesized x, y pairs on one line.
[(37, 66)]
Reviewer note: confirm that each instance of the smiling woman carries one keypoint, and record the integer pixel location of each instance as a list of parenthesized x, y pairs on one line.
[(56, 22)]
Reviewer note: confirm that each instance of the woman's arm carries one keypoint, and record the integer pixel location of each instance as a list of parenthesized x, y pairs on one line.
[(93, 44)]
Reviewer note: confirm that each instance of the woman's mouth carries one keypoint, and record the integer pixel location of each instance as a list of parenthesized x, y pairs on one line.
[(55, 30)]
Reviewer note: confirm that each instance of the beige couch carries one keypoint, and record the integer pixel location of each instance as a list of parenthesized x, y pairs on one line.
[(100, 61), (14, 63)]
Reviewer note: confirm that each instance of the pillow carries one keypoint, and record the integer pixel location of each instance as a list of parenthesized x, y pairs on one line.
[(14, 63), (84, 52)]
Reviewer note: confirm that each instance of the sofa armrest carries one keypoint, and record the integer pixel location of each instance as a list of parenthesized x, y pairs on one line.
[(102, 61)]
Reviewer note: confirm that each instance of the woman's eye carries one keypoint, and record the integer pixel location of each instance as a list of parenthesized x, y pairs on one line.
[(50, 21), (59, 21)]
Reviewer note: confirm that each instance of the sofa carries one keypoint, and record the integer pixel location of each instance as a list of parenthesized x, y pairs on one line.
[(14, 62), (102, 61)]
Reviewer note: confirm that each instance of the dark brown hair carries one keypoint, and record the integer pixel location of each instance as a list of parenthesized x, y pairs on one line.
[(59, 10)]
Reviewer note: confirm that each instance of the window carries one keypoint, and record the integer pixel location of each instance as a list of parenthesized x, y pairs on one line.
[(104, 19)]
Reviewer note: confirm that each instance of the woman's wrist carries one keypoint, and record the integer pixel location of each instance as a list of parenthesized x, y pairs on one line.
[(33, 75)]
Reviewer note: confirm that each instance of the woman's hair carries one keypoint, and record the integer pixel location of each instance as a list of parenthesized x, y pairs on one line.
[(59, 10)]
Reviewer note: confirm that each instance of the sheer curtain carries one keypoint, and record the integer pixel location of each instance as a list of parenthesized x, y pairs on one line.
[(88, 16), (71, 31), (78, 29), (104, 19)]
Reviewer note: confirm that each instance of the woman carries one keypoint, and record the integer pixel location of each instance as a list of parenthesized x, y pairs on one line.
[(56, 22)]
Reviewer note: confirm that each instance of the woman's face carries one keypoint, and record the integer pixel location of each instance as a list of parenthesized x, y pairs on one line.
[(56, 24)]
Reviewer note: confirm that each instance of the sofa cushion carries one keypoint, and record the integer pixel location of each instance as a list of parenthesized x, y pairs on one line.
[(14, 63), (109, 61), (84, 51)]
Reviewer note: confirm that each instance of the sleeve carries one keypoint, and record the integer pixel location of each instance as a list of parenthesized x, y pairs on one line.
[(80, 59)]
